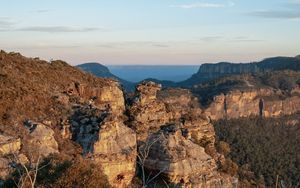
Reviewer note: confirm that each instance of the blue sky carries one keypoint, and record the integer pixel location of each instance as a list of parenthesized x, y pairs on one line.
[(151, 31)]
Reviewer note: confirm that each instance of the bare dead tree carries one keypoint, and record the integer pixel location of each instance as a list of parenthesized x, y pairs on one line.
[(27, 171), (143, 153)]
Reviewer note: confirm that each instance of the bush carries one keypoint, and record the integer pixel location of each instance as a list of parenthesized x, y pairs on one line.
[(82, 174), (55, 172)]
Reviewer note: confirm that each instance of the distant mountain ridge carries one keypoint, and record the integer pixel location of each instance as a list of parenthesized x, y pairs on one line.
[(208, 72), (100, 70)]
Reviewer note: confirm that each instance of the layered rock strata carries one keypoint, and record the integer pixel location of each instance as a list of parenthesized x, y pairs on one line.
[(184, 162), (261, 102), (107, 141)]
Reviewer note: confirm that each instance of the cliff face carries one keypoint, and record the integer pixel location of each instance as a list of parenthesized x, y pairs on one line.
[(200, 169), (47, 107), (53, 108), (256, 102), (208, 72), (180, 138)]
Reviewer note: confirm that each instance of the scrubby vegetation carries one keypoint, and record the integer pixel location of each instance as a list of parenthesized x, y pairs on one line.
[(59, 173), (285, 80), (267, 147)]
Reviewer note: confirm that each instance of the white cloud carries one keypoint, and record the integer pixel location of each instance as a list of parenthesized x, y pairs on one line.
[(204, 5), (6, 22), (278, 14), (58, 29)]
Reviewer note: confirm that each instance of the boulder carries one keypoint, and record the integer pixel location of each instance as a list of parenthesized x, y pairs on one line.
[(9, 145), (42, 141), (9, 154)]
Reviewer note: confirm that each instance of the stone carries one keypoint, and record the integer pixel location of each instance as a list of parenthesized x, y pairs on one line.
[(9, 145), (42, 140), (115, 151), (146, 92), (66, 130), (147, 113), (255, 102), (185, 151), (109, 143), (184, 162)]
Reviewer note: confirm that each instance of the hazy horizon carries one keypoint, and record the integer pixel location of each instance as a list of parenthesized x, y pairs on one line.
[(137, 73), (170, 32)]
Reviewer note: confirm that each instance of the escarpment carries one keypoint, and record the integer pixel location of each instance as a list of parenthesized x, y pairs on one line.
[(51, 108), (257, 102), (182, 141)]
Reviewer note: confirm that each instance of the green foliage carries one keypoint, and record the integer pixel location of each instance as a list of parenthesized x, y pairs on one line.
[(270, 146)]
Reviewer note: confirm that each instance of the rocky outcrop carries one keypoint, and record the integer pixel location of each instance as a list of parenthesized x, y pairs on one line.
[(42, 141), (105, 139), (184, 162), (9, 155), (115, 151), (9, 144), (182, 139), (146, 113), (73, 107), (255, 102), (108, 96)]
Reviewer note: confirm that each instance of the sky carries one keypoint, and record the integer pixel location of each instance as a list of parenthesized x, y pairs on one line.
[(152, 32)]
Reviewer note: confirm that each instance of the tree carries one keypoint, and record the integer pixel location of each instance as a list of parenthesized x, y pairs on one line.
[(143, 153)]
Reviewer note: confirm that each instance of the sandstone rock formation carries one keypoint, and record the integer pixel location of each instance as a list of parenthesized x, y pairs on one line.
[(256, 102), (186, 154), (146, 113), (42, 141), (72, 106), (107, 141), (9, 145), (184, 162), (9, 155), (116, 152), (107, 96)]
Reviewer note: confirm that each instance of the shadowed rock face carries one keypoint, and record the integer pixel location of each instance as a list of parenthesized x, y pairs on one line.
[(107, 141)]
